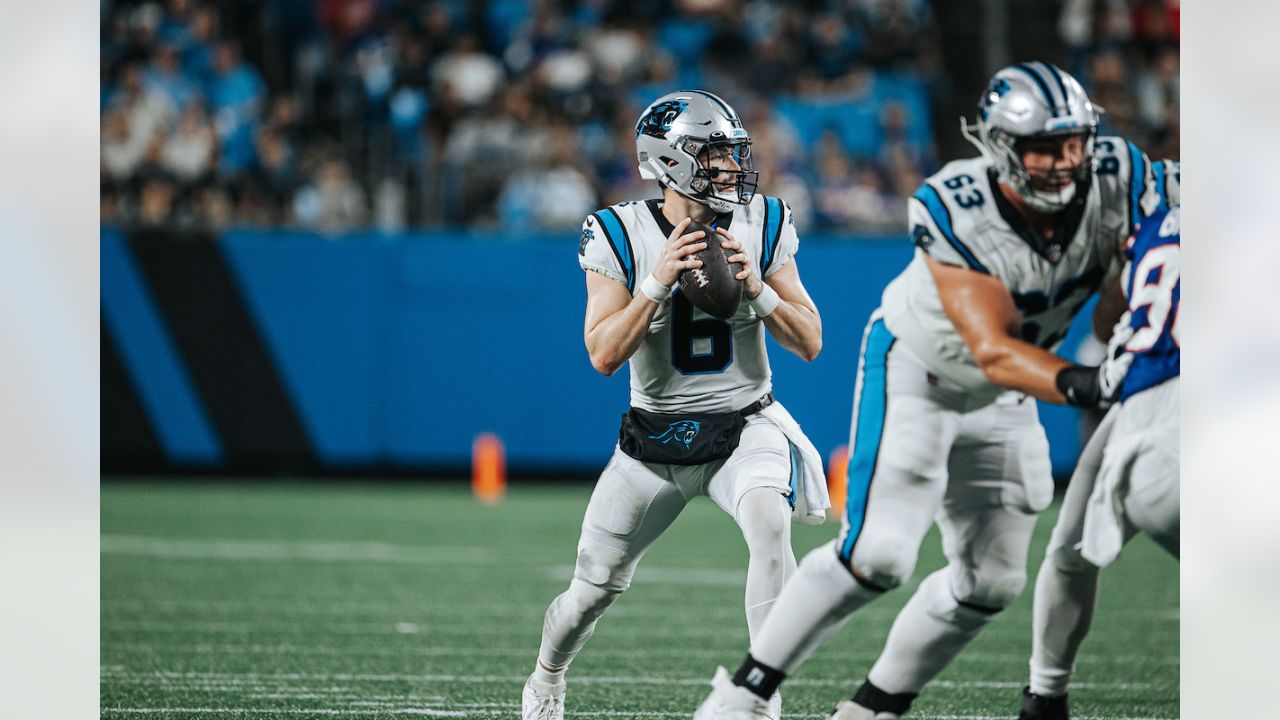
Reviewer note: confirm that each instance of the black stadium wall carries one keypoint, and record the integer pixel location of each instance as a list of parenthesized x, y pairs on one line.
[(293, 353)]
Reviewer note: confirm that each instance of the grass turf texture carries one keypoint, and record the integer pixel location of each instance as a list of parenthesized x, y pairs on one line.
[(262, 601)]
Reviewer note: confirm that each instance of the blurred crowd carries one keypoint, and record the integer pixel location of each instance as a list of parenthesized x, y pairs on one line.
[(520, 114)]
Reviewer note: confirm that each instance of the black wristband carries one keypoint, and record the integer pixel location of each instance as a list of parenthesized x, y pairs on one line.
[(1079, 385)]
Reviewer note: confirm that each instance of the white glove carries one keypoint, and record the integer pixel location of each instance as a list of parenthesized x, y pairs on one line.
[(1115, 366)]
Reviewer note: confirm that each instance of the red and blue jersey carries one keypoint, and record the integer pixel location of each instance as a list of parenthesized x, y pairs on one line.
[(1153, 286)]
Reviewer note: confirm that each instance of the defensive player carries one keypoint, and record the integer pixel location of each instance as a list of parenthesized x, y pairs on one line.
[(1127, 478), (1009, 246), (703, 420)]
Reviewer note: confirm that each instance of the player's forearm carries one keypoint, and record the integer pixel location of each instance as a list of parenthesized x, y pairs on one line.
[(1022, 366), (617, 337), (797, 328)]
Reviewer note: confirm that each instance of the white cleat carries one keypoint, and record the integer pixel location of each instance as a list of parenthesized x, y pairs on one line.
[(731, 702), (850, 710), (542, 701)]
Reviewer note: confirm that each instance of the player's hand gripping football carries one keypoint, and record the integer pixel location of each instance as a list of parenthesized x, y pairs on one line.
[(753, 286), (675, 254)]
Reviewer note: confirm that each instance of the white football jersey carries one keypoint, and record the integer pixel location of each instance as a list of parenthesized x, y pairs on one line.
[(959, 217), (690, 361)]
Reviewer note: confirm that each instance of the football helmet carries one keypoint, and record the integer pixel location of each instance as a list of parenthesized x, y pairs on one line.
[(1034, 100), (678, 136)]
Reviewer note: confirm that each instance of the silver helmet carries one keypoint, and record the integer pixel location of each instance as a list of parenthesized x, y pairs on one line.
[(1029, 101), (677, 134)]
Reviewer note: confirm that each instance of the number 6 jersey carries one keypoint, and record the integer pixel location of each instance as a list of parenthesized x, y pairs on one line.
[(959, 217), (690, 361)]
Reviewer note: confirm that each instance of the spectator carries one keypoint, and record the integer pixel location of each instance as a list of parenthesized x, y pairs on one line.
[(189, 151), (235, 99), (333, 202)]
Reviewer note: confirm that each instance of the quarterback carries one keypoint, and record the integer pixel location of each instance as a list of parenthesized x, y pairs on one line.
[(1127, 477), (1009, 246), (703, 419)]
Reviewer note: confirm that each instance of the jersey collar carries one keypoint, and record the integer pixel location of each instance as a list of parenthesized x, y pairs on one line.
[(1064, 228), (655, 206)]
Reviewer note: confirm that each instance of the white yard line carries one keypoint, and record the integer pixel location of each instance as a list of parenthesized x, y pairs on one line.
[(234, 680), (485, 712), (678, 652), (291, 550)]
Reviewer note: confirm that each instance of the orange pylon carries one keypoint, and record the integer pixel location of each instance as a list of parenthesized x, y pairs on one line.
[(488, 469), (838, 478)]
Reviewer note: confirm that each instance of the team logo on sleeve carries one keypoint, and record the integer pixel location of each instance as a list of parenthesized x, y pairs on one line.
[(921, 236), (682, 432), (587, 236), (657, 121)]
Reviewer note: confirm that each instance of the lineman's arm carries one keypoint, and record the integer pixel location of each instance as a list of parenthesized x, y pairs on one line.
[(983, 312)]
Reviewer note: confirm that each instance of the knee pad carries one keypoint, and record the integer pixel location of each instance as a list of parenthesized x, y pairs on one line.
[(588, 600), (887, 560), (764, 517), (989, 589), (604, 567)]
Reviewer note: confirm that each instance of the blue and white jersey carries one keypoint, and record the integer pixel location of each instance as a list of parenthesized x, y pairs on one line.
[(959, 217), (1153, 286), (690, 361)]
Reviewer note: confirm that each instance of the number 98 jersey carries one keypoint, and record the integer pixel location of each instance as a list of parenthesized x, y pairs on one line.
[(959, 217), (1153, 286), (690, 361)]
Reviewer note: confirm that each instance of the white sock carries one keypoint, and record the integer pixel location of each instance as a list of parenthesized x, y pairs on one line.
[(813, 605), (1062, 612), (765, 520), (927, 634), (568, 624)]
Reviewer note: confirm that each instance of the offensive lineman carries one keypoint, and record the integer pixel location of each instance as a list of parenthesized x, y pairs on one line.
[(703, 419), (1009, 246), (1127, 477)]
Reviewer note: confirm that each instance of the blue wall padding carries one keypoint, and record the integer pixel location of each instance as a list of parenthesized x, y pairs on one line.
[(398, 350)]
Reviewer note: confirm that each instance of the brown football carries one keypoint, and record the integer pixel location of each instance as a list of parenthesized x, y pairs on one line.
[(714, 287)]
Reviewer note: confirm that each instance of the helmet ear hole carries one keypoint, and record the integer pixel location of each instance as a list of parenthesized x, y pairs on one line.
[(669, 162)]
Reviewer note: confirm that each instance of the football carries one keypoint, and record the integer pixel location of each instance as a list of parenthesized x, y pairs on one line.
[(713, 288)]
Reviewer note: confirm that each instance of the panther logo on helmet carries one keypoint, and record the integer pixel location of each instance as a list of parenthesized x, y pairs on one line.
[(657, 122)]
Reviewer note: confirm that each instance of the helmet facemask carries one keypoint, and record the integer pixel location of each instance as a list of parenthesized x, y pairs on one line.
[(1047, 191), (715, 185)]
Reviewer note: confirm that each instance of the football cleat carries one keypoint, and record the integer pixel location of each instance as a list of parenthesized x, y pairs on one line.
[(732, 702), (542, 701), (1042, 707), (850, 710)]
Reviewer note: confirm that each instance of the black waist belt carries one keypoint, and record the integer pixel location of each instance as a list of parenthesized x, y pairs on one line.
[(758, 405)]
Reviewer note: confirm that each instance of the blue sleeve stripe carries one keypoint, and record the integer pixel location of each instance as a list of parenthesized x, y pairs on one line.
[(1137, 179), (620, 242), (942, 218), (1162, 184), (772, 232)]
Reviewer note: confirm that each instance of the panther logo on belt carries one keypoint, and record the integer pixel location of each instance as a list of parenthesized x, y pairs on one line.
[(682, 431)]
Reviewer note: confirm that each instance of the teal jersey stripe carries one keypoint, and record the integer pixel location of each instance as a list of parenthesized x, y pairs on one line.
[(872, 403), (1137, 179), (620, 242), (942, 218)]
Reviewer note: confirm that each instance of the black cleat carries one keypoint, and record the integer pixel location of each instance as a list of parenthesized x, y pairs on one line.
[(1043, 707)]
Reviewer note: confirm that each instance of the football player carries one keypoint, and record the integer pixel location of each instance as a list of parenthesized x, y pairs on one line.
[(1127, 478), (1009, 246), (703, 419)]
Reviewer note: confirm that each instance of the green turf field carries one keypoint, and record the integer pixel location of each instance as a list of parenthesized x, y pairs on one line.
[(265, 601)]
